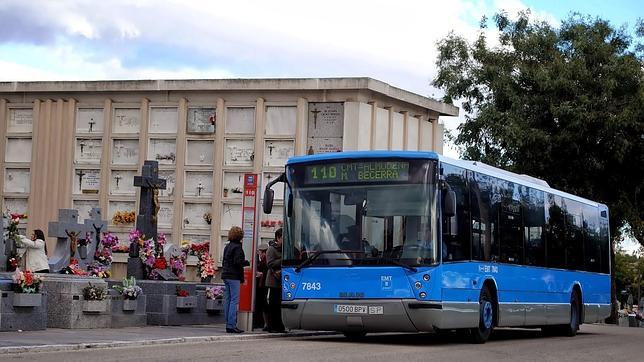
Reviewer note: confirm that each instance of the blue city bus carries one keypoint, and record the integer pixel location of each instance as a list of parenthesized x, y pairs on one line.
[(397, 241)]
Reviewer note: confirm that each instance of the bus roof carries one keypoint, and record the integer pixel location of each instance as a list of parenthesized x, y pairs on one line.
[(476, 166), (524, 180), (359, 155)]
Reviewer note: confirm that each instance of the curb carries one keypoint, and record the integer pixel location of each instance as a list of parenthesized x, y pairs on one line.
[(151, 342)]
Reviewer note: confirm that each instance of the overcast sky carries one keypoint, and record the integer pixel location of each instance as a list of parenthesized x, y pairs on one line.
[(393, 41)]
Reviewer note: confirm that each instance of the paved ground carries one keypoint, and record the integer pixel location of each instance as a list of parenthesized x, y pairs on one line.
[(594, 343)]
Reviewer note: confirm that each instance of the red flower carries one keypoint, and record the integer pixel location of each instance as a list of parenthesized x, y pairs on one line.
[(29, 277), (160, 263)]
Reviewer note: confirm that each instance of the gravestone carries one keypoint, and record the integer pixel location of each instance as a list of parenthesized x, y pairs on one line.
[(66, 224), (146, 220), (94, 225)]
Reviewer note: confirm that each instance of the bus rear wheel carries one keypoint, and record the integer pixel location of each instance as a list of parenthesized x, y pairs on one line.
[(486, 317)]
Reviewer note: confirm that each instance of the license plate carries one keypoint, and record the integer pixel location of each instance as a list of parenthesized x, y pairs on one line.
[(358, 309)]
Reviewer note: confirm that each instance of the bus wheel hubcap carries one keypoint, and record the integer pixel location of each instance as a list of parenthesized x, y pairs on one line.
[(487, 314)]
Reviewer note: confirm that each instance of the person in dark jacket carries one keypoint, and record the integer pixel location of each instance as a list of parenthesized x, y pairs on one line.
[(232, 273), (260, 316), (274, 283)]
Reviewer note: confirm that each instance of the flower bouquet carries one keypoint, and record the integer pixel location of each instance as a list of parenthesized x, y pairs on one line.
[(73, 268), (121, 249), (94, 299), (26, 282), (123, 217), (207, 218), (27, 289), (205, 267), (96, 269), (130, 292), (214, 298), (184, 300)]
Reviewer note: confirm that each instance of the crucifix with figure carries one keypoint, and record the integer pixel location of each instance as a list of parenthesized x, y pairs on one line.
[(146, 220), (315, 117)]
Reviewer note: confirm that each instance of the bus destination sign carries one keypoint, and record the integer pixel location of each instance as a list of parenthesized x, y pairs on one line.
[(357, 172)]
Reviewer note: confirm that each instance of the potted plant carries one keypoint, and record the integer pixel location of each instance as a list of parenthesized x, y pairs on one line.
[(27, 289), (214, 298), (94, 299), (130, 292), (184, 300)]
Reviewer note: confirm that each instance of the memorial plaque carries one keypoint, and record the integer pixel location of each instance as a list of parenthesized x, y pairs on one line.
[(200, 152), (84, 207), (326, 120), (125, 152), (233, 185), (17, 180), (122, 182), (324, 145), (18, 150), (194, 216), (198, 183), (87, 181), (240, 120), (163, 151), (166, 213), (21, 120), (201, 120), (127, 120), (239, 152), (163, 119), (281, 121), (277, 188), (16, 205), (276, 153), (231, 215), (170, 181), (88, 150), (89, 120)]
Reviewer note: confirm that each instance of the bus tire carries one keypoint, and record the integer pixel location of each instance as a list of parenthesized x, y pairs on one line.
[(354, 335), (570, 329), (486, 317)]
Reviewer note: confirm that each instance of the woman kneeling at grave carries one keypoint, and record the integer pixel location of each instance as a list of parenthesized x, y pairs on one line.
[(36, 254)]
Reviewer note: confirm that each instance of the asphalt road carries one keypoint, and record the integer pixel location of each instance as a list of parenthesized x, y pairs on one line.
[(593, 343)]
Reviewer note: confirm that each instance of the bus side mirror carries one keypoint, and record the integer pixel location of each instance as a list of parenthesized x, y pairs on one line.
[(449, 208), (267, 205)]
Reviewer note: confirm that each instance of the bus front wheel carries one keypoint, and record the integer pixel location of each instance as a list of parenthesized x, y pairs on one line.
[(570, 329), (486, 317)]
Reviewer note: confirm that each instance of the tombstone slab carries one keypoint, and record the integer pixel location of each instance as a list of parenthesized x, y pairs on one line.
[(65, 303), (67, 222), (14, 318)]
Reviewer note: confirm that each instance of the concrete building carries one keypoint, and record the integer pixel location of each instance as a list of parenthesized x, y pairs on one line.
[(79, 144)]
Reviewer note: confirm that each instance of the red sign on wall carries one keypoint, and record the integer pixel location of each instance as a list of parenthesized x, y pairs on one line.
[(249, 222)]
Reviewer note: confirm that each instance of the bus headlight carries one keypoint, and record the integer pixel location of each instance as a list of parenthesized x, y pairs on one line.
[(418, 285), (289, 295), (426, 277), (423, 294), (292, 285), (286, 278)]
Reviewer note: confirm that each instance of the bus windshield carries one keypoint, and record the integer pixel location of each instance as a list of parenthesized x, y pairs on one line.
[(361, 213)]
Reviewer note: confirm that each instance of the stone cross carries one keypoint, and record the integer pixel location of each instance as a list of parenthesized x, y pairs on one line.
[(67, 223), (94, 225), (150, 184)]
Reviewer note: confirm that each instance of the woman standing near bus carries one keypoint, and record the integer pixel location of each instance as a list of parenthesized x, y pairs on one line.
[(234, 262)]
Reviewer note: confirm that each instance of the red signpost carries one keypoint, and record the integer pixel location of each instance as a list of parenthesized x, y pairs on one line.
[(249, 222)]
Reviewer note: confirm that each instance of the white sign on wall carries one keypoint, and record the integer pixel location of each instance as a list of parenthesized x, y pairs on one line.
[(126, 120), (325, 127), (17, 180), (20, 120), (89, 120)]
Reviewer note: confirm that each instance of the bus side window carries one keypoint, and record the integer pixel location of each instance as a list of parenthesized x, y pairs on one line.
[(456, 232), (533, 225), (484, 208), (556, 232), (592, 242)]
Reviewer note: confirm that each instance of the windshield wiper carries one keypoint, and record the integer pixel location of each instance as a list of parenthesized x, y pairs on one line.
[(315, 255), (399, 263)]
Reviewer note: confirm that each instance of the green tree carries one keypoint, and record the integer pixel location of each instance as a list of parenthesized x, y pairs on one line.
[(565, 104)]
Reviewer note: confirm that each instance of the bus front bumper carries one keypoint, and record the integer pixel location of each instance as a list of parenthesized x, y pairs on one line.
[(378, 315)]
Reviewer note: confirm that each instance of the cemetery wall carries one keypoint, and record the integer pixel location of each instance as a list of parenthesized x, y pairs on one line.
[(80, 144)]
